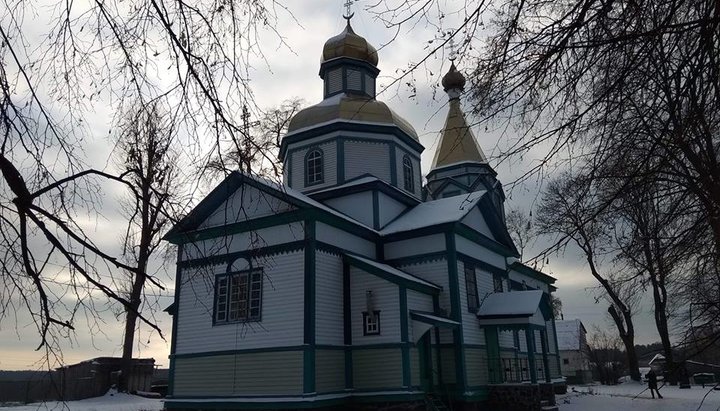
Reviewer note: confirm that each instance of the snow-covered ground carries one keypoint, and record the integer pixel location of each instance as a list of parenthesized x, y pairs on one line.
[(620, 397), (109, 402)]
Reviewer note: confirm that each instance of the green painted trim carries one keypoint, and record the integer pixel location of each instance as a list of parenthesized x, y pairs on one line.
[(492, 341), (309, 312), (419, 232), (340, 160), (288, 171), (347, 325), (376, 184), (417, 316), (465, 258), (175, 317), (355, 229), (417, 259), (227, 258), (530, 342), (239, 352), (416, 286), (545, 360), (393, 165), (404, 337), (463, 165), (534, 274), (456, 312), (492, 245), (376, 210), (557, 347)]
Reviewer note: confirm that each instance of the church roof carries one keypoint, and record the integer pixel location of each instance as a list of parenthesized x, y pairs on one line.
[(445, 210), (349, 44), (511, 304), (347, 108), (457, 142), (392, 274)]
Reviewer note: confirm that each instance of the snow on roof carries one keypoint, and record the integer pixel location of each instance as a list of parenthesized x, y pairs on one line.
[(352, 183), (512, 304), (569, 334), (444, 210), (394, 271), (433, 318), (658, 357)]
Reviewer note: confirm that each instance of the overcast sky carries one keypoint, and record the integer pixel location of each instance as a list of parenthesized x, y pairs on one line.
[(292, 73)]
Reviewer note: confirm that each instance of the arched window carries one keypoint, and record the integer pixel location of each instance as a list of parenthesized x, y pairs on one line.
[(408, 174), (314, 167)]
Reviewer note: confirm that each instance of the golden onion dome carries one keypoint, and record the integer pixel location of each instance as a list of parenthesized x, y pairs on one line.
[(453, 79), (349, 44), (342, 107)]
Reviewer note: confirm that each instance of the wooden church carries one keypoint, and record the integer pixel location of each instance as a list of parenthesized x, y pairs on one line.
[(353, 285)]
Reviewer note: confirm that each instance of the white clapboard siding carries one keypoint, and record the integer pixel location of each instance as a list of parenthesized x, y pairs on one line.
[(362, 157), (329, 150), (415, 246), (505, 339), (329, 299), (246, 203), (472, 333), (389, 208), (329, 370), (358, 206), (479, 252), (251, 240), (379, 368), (417, 301), (386, 299), (436, 272), (341, 238), (475, 220), (538, 341), (476, 366), (282, 310), (551, 336), (523, 341)]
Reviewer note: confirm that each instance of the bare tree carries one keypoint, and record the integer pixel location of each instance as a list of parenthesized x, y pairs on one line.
[(605, 354), (146, 158)]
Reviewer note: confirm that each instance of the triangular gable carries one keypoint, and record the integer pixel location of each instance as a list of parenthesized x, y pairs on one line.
[(496, 223), (393, 275), (244, 204), (475, 220)]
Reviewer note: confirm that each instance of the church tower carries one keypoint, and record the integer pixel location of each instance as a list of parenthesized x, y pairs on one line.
[(459, 165), (351, 151)]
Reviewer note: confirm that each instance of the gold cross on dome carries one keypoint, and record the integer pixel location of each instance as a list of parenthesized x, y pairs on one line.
[(348, 9)]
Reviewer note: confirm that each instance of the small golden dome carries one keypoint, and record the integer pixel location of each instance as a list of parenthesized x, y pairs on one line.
[(453, 79), (342, 107), (349, 44)]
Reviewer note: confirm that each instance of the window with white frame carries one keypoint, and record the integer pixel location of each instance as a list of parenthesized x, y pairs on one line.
[(408, 177), (371, 323), (238, 296), (314, 167)]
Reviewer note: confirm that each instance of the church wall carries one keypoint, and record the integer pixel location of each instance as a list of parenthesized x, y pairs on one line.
[(389, 208), (246, 203), (418, 301), (363, 157), (329, 370), (475, 220), (281, 322), (505, 339), (476, 366), (447, 363), (280, 234), (329, 299), (386, 299), (472, 333), (415, 246), (358, 206), (435, 271), (479, 252), (415, 366), (259, 373), (297, 165), (377, 368), (335, 236)]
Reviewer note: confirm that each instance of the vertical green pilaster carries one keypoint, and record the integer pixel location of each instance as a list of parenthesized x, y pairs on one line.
[(456, 312), (438, 350), (176, 316), (309, 312), (557, 348), (546, 362), (393, 165), (340, 161), (530, 338), (492, 343), (347, 326), (404, 338), (376, 209)]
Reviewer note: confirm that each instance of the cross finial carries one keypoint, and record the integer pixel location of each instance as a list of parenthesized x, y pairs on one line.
[(348, 9), (452, 46)]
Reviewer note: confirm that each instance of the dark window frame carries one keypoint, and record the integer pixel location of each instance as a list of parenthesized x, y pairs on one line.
[(498, 284), (408, 174), (321, 160), (252, 288), (366, 316), (473, 300)]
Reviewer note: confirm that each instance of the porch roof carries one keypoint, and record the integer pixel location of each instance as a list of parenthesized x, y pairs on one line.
[(433, 319), (516, 307)]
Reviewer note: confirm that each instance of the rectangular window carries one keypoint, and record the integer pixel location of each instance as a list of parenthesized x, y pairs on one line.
[(371, 323), (497, 284), (471, 286), (566, 361), (238, 296)]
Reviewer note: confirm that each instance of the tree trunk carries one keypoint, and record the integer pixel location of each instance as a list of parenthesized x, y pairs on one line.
[(627, 335)]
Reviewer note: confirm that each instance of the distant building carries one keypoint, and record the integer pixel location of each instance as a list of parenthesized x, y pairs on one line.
[(572, 342)]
